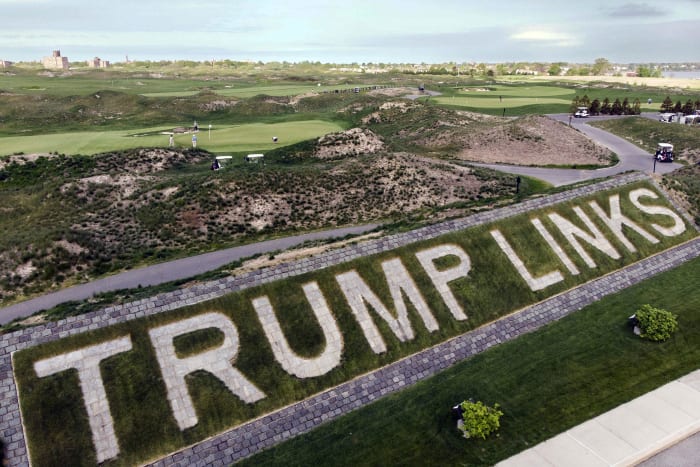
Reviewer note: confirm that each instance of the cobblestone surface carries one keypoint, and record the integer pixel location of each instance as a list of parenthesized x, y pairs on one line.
[(301, 417)]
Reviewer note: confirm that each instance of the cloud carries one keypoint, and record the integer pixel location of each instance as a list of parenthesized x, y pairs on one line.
[(636, 10), (545, 37)]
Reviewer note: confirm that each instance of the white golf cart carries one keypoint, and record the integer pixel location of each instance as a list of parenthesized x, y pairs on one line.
[(581, 112), (667, 117), (218, 162), (664, 152)]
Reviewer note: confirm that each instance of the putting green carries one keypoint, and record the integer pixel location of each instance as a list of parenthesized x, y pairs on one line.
[(235, 138), (493, 101), (494, 92)]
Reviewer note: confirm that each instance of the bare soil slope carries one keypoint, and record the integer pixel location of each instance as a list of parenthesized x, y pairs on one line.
[(529, 140)]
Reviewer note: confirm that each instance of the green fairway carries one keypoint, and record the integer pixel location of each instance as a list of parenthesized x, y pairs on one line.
[(528, 99), (84, 85), (515, 91), (249, 137), (250, 91), (493, 102), (94, 81)]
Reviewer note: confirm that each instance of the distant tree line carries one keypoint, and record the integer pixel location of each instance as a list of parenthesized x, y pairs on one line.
[(688, 108), (617, 107)]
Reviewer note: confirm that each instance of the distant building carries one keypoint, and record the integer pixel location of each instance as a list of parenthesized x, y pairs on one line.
[(55, 61), (5, 64), (98, 63)]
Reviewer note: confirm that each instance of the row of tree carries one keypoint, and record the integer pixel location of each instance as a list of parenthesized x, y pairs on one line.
[(688, 108), (596, 107), (617, 107)]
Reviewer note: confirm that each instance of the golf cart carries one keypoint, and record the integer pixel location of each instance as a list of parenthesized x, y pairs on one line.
[(664, 152), (218, 164), (667, 117), (581, 112)]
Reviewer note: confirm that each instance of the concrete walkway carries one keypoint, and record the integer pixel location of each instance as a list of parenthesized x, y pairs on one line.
[(626, 435)]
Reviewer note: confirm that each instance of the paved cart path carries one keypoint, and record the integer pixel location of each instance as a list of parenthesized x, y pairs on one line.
[(169, 271)]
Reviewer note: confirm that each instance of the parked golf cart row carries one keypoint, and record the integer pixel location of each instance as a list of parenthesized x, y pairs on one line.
[(670, 117)]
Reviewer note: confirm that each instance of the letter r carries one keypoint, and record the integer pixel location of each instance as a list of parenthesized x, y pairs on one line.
[(217, 361)]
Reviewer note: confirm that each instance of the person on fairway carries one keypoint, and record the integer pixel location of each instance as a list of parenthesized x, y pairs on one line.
[(194, 141)]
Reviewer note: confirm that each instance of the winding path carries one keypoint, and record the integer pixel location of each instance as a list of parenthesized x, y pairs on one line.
[(170, 271), (631, 158)]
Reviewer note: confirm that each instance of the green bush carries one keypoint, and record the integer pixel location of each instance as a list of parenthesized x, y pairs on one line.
[(479, 420), (656, 324)]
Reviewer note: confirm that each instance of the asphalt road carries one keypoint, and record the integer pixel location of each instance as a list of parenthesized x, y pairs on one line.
[(631, 157), (169, 271), (683, 454)]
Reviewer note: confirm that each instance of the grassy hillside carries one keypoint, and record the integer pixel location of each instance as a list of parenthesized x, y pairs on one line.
[(72, 218), (143, 419), (546, 383)]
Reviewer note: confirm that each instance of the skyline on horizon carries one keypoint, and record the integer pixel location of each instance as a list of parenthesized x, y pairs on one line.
[(383, 31)]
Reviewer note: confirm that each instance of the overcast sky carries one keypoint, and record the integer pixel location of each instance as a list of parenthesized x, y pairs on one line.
[(353, 30)]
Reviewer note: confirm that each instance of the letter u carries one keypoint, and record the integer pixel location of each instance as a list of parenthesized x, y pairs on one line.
[(285, 356)]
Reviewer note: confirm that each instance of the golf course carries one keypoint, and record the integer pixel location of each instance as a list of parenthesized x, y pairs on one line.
[(99, 175)]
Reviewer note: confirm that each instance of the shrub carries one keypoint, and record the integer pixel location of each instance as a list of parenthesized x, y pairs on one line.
[(479, 420), (656, 324)]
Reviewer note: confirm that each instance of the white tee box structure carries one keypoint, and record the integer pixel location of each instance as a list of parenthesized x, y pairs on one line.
[(255, 158)]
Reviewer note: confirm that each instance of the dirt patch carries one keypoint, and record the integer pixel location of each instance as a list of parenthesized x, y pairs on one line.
[(21, 159), (353, 142), (216, 105), (70, 247), (25, 270), (298, 253), (119, 186), (391, 92), (294, 100), (534, 140)]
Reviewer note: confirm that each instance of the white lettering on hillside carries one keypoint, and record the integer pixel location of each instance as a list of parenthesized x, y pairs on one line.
[(558, 250), (443, 264), (217, 361), (285, 356), (597, 240), (398, 279), (358, 295), (532, 282), (87, 362), (617, 220), (442, 278), (678, 224)]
